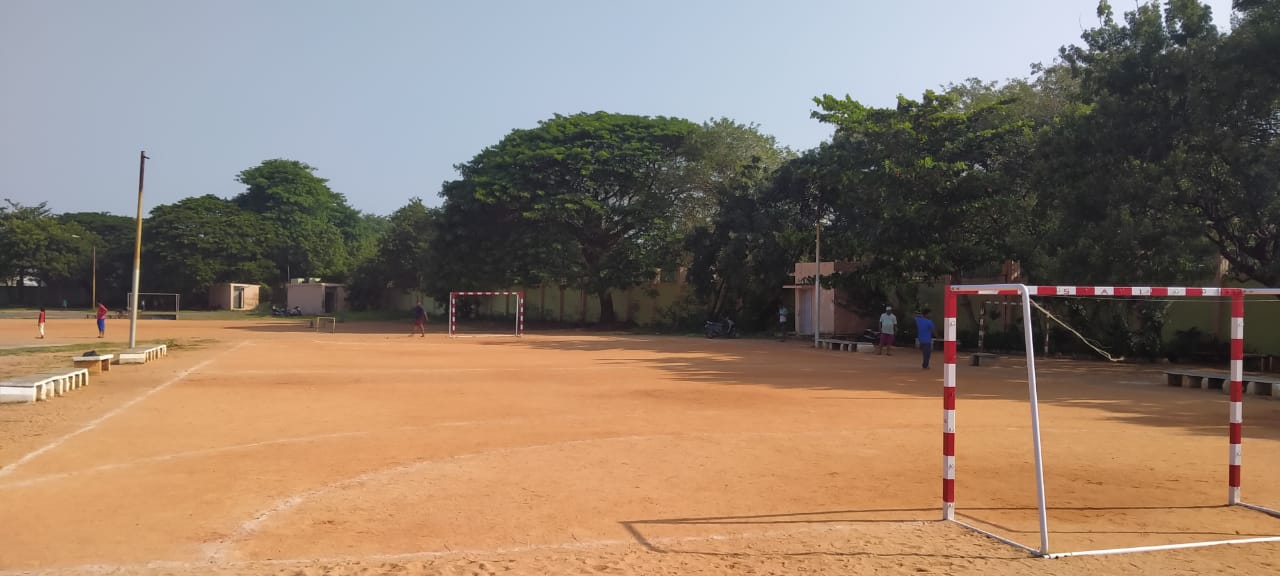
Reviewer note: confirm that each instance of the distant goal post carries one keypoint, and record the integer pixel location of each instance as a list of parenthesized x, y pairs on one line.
[(517, 325), (163, 305)]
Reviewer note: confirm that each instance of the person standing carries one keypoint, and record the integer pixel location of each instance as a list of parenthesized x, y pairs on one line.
[(782, 322), (102, 320), (924, 333), (419, 320), (40, 322), (888, 327)]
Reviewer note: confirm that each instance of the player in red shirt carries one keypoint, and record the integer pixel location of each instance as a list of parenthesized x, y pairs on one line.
[(41, 322), (102, 320)]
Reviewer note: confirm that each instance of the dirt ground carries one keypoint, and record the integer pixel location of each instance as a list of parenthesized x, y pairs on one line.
[(263, 448)]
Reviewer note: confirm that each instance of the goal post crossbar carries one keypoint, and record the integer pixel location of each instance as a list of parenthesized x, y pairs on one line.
[(1235, 419), (453, 310)]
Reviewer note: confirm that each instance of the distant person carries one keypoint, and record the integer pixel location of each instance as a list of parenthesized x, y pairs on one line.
[(924, 333), (40, 322), (102, 320), (888, 327), (419, 320), (783, 313)]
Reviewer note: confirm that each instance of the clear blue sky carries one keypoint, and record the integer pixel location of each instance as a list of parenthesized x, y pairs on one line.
[(385, 97)]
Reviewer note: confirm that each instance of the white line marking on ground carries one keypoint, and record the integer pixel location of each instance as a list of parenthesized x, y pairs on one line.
[(211, 451), (8, 469), (216, 551)]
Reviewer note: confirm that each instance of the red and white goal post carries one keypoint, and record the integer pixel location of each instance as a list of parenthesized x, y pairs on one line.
[(1235, 417), (517, 328)]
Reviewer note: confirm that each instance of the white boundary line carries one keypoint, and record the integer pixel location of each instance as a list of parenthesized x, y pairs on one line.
[(216, 551), (1162, 547), (10, 468)]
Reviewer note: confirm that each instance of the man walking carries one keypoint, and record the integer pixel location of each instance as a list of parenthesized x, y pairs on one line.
[(40, 322), (102, 320), (888, 326), (924, 332), (419, 320)]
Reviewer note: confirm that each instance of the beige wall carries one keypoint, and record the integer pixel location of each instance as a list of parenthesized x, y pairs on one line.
[(222, 296), (310, 297)]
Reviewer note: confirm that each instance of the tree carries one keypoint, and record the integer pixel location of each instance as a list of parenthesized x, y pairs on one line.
[(196, 242), (589, 198), (35, 245), (318, 233), (1183, 124), (401, 258), (921, 191), (113, 238)]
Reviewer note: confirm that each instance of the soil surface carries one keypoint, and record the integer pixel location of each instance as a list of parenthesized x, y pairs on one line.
[(264, 448)]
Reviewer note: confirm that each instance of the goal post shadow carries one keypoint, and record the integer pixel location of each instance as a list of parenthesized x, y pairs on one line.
[(1235, 417), (518, 328)]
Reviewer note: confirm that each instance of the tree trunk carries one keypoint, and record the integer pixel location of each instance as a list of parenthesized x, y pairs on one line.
[(607, 316)]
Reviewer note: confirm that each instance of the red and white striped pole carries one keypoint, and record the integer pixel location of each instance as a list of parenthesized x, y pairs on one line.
[(1236, 419), (949, 406), (453, 315), (519, 313)]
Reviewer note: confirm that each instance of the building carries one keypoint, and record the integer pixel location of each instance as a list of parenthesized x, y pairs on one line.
[(317, 297), (233, 296), (834, 316)]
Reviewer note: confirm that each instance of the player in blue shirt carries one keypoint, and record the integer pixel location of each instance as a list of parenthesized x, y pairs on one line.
[(924, 331)]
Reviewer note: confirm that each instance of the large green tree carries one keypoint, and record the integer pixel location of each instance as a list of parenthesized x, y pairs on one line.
[(318, 233), (193, 243), (113, 239), (35, 245), (401, 257), (589, 200)]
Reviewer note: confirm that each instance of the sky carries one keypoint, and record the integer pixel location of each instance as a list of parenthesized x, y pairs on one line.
[(385, 97)]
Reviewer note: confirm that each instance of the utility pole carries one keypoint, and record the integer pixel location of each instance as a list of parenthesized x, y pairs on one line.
[(817, 282), (137, 256)]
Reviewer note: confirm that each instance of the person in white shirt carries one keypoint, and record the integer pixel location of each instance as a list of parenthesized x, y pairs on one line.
[(888, 327)]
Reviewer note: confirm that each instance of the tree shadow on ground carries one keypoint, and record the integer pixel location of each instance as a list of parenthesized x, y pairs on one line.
[(1130, 393)]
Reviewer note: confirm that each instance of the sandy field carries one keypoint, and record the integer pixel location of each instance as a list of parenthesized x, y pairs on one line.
[(264, 448)]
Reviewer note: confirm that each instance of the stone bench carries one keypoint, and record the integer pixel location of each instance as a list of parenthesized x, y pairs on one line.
[(1253, 384), (42, 386), (834, 344), (142, 355), (95, 364), (979, 358)]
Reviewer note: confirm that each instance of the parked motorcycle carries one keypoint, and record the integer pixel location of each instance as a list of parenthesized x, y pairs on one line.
[(870, 335), (725, 328)]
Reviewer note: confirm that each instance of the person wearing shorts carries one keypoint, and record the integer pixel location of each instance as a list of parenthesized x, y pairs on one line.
[(102, 320), (924, 332), (888, 326), (419, 320)]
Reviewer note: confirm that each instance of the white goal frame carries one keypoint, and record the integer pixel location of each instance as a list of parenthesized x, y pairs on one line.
[(177, 303), (1235, 419), (453, 313)]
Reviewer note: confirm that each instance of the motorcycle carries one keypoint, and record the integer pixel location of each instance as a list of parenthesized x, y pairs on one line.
[(870, 335), (283, 311), (726, 328)]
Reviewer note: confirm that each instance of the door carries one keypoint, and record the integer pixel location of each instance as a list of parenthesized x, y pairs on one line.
[(237, 298), (804, 311)]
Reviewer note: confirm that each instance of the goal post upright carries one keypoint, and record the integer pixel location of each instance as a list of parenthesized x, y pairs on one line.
[(453, 309), (1235, 416)]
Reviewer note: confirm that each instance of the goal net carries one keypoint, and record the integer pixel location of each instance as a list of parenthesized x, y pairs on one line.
[(475, 314), (156, 305), (1233, 379)]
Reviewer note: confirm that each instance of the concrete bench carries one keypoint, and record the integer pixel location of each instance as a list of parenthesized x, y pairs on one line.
[(41, 386), (1253, 384), (25, 389), (100, 363), (1197, 379), (834, 344), (1262, 386), (979, 358), (142, 355)]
